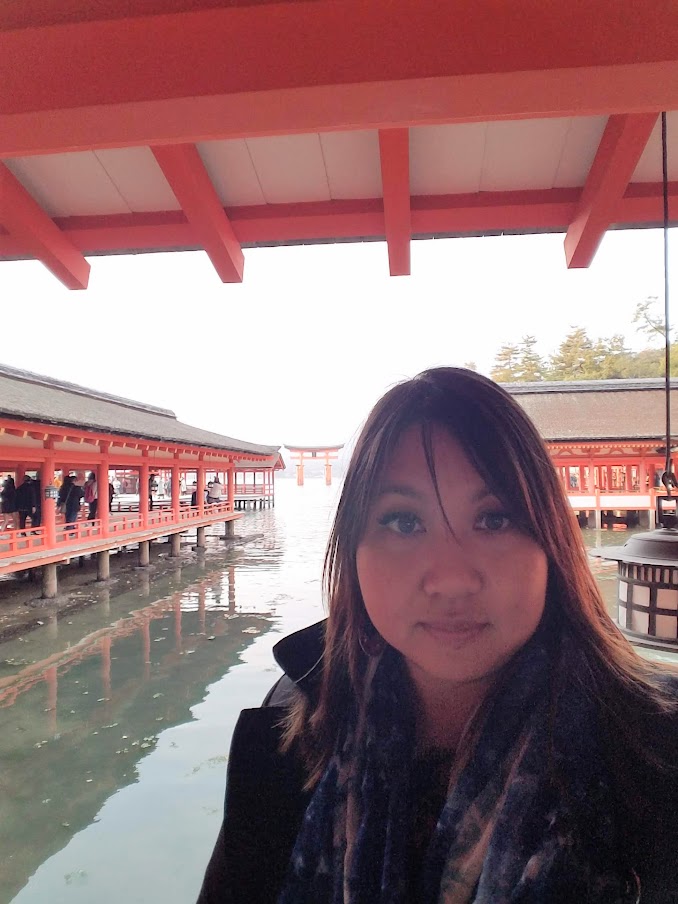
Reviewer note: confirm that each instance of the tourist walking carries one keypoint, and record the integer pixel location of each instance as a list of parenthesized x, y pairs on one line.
[(36, 517), (63, 492), (8, 496), (24, 499), (152, 488), (90, 495), (468, 726), (72, 500)]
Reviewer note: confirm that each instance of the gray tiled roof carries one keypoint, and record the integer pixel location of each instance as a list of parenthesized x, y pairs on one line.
[(32, 397), (598, 409)]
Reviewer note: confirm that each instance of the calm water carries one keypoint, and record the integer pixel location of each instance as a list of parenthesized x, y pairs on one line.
[(115, 722)]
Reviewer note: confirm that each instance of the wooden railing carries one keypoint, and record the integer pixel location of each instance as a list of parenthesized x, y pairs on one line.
[(249, 489), (21, 542)]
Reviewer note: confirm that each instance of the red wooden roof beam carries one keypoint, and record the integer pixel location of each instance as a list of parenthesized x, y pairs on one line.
[(190, 182), (623, 142), (26, 221), (394, 152), (234, 72)]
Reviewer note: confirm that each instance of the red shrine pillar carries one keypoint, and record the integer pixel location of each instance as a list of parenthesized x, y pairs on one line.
[(144, 472), (176, 492), (231, 488), (102, 493), (200, 489), (642, 476), (48, 505)]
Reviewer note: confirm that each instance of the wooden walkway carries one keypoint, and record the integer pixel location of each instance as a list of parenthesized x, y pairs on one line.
[(23, 549)]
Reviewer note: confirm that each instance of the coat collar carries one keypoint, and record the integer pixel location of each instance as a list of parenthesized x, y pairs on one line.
[(300, 654)]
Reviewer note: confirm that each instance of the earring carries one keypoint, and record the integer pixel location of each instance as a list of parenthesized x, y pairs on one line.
[(371, 642)]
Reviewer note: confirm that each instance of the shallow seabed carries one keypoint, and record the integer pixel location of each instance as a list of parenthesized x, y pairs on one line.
[(115, 720)]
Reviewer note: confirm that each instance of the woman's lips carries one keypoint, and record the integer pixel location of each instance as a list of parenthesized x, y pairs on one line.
[(455, 632)]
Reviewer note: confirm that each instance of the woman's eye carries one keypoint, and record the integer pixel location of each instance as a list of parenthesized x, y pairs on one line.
[(402, 523), (493, 521)]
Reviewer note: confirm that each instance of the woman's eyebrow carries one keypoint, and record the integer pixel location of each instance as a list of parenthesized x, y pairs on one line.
[(399, 489), (483, 493), (403, 489)]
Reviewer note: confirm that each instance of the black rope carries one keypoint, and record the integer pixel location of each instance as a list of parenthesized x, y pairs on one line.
[(668, 478)]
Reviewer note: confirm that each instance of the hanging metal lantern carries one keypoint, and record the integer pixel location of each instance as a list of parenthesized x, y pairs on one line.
[(647, 582)]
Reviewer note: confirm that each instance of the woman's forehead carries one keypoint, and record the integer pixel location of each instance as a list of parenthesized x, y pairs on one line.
[(427, 453)]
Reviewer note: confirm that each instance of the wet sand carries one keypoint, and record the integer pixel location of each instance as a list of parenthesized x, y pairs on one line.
[(22, 608)]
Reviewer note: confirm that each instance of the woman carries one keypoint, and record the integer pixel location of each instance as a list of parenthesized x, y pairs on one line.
[(469, 725), (90, 495)]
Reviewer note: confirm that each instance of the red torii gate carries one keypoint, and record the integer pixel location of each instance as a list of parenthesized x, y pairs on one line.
[(301, 453)]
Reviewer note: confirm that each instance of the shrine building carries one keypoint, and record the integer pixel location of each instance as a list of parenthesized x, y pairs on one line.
[(607, 442), (51, 430)]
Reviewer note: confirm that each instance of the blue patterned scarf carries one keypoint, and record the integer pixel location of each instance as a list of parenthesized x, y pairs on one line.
[(508, 832)]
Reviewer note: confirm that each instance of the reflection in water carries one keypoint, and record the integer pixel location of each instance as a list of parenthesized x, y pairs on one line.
[(93, 709), (116, 720)]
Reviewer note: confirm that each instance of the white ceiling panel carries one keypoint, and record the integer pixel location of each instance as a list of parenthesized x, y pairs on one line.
[(446, 160), (352, 164), (69, 184), (523, 154), (649, 167), (581, 143), (232, 172), (139, 179), (290, 168)]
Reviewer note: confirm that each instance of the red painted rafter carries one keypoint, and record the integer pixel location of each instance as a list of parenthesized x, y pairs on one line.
[(234, 71), (190, 182), (472, 214), (82, 437), (619, 151), (394, 153), (27, 222)]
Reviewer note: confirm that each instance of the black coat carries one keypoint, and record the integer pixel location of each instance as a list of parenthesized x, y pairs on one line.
[(24, 498), (265, 801), (8, 497)]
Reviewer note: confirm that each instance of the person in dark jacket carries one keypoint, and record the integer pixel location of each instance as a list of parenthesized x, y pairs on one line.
[(72, 500), (8, 496), (63, 491), (25, 501), (469, 725), (36, 517)]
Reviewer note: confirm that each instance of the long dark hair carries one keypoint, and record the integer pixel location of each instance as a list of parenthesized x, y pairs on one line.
[(505, 448)]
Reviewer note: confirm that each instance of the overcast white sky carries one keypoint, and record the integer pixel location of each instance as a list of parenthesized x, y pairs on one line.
[(301, 350)]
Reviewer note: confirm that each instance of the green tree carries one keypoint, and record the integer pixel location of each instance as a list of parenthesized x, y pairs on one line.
[(470, 365), (518, 363), (611, 359), (531, 365), (575, 358), (506, 365), (650, 318)]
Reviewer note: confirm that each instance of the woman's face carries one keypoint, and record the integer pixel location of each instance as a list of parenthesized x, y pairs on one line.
[(457, 604)]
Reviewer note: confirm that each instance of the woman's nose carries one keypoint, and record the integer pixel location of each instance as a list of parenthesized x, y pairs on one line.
[(451, 569)]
